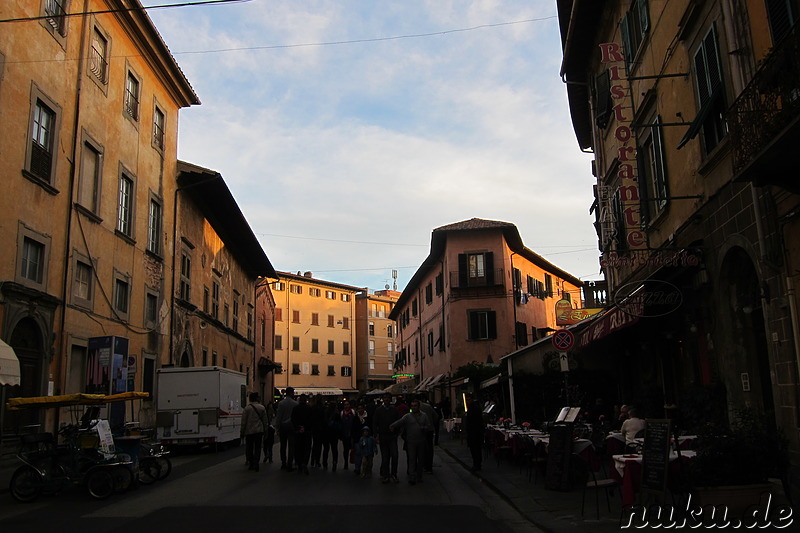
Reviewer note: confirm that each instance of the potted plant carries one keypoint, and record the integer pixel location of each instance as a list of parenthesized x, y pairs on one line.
[(733, 465), (526, 426)]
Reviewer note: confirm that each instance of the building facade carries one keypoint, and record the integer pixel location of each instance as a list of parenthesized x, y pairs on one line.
[(479, 295), (315, 334), (218, 296), (690, 109), (89, 105), (375, 339)]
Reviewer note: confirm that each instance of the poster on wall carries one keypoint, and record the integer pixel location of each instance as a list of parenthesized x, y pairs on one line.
[(107, 372)]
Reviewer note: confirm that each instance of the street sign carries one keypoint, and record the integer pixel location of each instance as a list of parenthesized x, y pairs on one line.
[(563, 359), (563, 340)]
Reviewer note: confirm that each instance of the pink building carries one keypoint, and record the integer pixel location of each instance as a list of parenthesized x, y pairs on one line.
[(479, 295)]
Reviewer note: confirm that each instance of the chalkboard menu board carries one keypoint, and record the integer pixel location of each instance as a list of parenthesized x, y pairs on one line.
[(558, 455), (655, 456)]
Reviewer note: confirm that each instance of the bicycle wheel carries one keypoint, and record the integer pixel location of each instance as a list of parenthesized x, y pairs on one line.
[(123, 478), (26, 484), (165, 467), (149, 470), (100, 483)]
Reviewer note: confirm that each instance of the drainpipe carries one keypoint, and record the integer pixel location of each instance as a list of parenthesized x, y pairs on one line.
[(516, 343)]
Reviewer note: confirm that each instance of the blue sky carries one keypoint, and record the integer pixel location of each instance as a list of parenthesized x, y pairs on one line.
[(344, 157)]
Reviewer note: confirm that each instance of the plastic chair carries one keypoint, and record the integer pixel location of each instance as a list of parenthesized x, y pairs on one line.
[(588, 477)]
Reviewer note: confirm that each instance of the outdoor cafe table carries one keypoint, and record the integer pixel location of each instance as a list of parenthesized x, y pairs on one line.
[(515, 438), (615, 442), (628, 471)]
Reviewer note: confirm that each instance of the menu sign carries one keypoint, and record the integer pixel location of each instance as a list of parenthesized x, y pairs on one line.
[(559, 450), (655, 456)]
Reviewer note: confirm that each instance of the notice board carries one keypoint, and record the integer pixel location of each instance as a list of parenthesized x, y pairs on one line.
[(559, 450), (655, 456)]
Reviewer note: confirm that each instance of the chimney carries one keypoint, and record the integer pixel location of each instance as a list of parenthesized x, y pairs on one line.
[(307, 274)]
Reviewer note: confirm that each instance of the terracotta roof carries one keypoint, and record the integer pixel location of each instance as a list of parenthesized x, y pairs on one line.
[(475, 223)]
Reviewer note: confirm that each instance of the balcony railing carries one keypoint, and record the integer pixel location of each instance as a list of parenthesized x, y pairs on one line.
[(767, 109), (483, 281)]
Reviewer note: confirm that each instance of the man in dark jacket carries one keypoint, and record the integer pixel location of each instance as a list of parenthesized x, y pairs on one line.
[(283, 421), (303, 421), (385, 415)]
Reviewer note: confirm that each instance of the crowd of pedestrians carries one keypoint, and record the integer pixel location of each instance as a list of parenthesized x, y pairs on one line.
[(312, 431)]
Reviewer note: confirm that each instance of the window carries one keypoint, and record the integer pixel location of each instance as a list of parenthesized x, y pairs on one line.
[(82, 282), (40, 160), (278, 342), (91, 170), (372, 328), (476, 269), (652, 173), (313, 291), (98, 56), (122, 292), (371, 347), (296, 289), (439, 284), (279, 314), (345, 323), (330, 321), (154, 227), (132, 87), (236, 316), (249, 324), (185, 285), (345, 348), (440, 342), (634, 28), (314, 345), (330, 295), (149, 375), (482, 325), (389, 331), (296, 316), (295, 344), (782, 15), (295, 368), (315, 370), (263, 328), (346, 371), (125, 205), (430, 343), (225, 314), (372, 364), (214, 357), (159, 123), (414, 307), (55, 18), (429, 294), (548, 285), (522, 334), (345, 297), (389, 348), (710, 95), (389, 365), (33, 260), (206, 299), (150, 309), (315, 319), (331, 371), (76, 369), (279, 286), (331, 347), (205, 356), (215, 299)]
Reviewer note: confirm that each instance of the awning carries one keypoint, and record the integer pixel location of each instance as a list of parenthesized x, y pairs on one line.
[(325, 391), (404, 387), (603, 325), (494, 380), (9, 365), (430, 382)]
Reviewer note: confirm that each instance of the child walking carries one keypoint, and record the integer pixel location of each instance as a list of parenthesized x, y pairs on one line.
[(368, 449)]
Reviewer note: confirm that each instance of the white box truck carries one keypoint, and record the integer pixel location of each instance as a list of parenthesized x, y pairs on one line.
[(199, 405)]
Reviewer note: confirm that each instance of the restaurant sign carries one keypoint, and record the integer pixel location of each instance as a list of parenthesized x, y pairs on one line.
[(566, 315), (648, 298)]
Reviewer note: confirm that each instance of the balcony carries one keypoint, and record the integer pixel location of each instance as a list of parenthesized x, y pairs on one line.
[(764, 121), (492, 284)]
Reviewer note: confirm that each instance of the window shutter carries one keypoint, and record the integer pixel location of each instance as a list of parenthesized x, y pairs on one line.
[(781, 18), (491, 319), (489, 260), (644, 188), (473, 325), (626, 41), (644, 16), (602, 99), (662, 190), (462, 270)]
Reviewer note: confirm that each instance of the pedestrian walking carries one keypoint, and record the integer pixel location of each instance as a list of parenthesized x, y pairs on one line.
[(385, 415), (302, 421), (330, 437), (361, 419), (347, 415), (414, 424), (433, 418), (367, 449), (283, 421), (254, 425), (269, 436), (318, 429)]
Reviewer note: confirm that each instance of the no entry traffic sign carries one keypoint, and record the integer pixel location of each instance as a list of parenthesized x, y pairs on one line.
[(563, 340)]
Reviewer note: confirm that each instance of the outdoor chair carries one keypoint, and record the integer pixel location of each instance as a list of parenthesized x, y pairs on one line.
[(588, 478), (535, 458)]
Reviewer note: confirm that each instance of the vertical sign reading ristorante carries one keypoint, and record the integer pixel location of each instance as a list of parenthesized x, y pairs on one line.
[(628, 191)]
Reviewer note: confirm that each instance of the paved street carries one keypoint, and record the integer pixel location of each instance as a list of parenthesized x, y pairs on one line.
[(216, 492)]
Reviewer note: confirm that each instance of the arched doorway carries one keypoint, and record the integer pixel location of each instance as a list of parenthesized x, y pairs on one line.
[(186, 360), (745, 362)]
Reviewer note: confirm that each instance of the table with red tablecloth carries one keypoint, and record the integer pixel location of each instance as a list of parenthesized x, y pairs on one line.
[(628, 472)]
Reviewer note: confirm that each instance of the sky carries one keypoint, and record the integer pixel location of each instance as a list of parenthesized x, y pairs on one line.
[(348, 130)]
